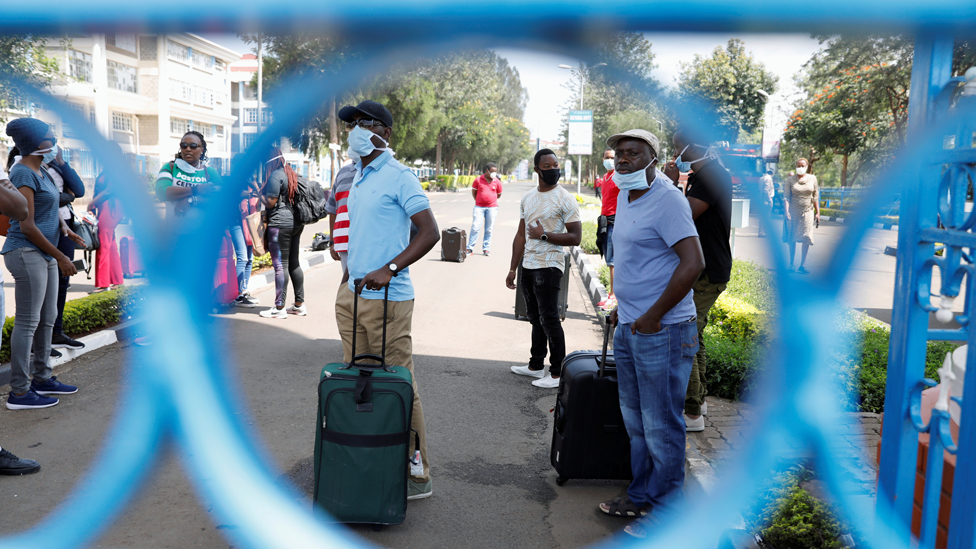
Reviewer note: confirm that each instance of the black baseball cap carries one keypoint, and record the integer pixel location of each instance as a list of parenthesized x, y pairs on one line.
[(368, 108)]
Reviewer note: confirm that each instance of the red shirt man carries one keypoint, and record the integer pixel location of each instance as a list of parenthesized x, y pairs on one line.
[(610, 192), (486, 192)]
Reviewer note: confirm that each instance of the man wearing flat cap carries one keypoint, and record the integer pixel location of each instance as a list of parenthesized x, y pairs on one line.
[(658, 259), (385, 197)]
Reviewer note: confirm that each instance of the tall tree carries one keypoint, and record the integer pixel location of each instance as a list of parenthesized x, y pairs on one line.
[(855, 105), (24, 59), (729, 82)]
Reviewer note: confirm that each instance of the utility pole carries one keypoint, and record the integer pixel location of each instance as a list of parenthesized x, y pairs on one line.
[(260, 101), (333, 140)]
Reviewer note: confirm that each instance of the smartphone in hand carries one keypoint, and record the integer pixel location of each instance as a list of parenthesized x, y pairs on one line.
[(80, 264)]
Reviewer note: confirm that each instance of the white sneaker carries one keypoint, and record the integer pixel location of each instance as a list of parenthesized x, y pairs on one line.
[(274, 313), (694, 425), (525, 371), (704, 409), (293, 310), (547, 382)]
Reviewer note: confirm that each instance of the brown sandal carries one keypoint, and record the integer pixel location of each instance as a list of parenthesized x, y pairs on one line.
[(620, 507)]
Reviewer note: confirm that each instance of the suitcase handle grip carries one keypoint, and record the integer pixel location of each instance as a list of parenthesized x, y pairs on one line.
[(607, 334), (355, 362)]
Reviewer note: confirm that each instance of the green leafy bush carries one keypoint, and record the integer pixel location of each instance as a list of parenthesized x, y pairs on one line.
[(789, 517), (588, 242), (752, 283), (731, 364), (261, 262), (605, 276), (736, 319), (87, 314)]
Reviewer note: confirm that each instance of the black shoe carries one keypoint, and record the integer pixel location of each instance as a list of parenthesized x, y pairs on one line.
[(61, 341), (55, 354), (13, 465)]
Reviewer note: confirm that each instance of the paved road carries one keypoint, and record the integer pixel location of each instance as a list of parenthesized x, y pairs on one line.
[(488, 430)]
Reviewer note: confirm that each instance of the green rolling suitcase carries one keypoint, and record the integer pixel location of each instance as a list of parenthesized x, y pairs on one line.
[(362, 439)]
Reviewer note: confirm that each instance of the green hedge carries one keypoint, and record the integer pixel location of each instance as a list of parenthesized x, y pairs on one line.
[(738, 333), (588, 241), (87, 314)]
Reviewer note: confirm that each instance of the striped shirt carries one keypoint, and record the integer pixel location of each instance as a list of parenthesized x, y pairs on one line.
[(338, 205), (46, 198)]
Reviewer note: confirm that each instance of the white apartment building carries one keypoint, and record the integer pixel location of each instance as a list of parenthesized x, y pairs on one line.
[(144, 92), (244, 106)]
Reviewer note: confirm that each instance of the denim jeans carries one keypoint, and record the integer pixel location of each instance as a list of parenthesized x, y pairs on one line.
[(484, 216), (67, 247), (245, 257), (652, 375), (540, 287), (36, 294)]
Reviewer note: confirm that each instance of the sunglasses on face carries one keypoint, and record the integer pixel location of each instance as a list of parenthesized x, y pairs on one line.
[(191, 146), (364, 123)]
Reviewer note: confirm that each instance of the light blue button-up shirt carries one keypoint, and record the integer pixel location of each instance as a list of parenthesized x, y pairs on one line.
[(384, 196)]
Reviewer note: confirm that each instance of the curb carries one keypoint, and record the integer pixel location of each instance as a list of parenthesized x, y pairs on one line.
[(124, 331), (590, 277), (312, 259), (883, 226)]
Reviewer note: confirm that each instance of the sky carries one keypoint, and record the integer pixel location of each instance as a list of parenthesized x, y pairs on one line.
[(782, 54)]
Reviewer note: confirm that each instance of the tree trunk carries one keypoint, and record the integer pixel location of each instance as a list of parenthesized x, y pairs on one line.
[(843, 170), (437, 162)]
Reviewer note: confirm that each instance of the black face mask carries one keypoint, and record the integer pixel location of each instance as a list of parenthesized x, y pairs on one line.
[(550, 177)]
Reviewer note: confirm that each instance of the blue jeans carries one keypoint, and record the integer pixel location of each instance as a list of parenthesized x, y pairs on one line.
[(486, 216), (245, 257), (652, 376), (608, 254)]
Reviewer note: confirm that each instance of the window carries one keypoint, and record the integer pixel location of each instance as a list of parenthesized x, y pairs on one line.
[(202, 96), (250, 92), (125, 42), (122, 77), (206, 129), (122, 122), (80, 110), (266, 116), (249, 139), (219, 130), (80, 65), (178, 126), (205, 62), (177, 51), (250, 116), (180, 91), (220, 65)]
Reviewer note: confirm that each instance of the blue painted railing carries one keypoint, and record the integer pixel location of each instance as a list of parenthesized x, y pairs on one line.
[(802, 404)]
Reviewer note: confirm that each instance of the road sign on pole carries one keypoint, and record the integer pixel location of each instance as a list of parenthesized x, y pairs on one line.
[(580, 132)]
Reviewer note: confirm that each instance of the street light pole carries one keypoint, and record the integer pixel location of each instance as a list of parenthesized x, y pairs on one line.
[(579, 157)]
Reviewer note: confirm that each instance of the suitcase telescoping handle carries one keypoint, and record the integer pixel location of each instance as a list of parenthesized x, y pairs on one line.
[(357, 359), (607, 334)]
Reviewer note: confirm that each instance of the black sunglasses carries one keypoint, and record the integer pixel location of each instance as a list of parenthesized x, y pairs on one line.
[(364, 123), (191, 146)]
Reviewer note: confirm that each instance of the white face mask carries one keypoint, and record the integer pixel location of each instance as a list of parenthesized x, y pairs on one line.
[(634, 181), (801, 170), (608, 163)]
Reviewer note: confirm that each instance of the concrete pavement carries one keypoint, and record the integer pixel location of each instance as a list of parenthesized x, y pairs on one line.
[(488, 430)]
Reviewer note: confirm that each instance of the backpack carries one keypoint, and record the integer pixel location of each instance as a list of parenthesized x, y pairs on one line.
[(310, 202)]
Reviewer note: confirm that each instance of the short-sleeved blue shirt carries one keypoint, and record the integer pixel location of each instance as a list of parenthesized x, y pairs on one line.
[(643, 235), (46, 198), (383, 197)]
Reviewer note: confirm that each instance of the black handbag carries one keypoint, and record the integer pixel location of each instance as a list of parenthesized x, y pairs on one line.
[(87, 229)]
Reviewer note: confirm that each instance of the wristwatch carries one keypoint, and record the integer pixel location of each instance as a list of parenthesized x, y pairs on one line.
[(544, 237), (393, 268)]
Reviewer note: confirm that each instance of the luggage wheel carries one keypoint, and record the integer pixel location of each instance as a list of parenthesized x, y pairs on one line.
[(561, 480)]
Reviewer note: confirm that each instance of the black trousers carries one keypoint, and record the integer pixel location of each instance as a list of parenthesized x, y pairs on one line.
[(540, 287), (67, 247)]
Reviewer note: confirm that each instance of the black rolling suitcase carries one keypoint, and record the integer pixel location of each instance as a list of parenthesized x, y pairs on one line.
[(454, 245), (589, 440)]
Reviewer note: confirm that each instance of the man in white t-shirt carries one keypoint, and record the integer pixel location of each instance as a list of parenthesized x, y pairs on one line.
[(550, 221)]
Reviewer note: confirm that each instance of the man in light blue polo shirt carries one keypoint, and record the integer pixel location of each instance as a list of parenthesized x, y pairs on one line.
[(658, 260), (385, 197)]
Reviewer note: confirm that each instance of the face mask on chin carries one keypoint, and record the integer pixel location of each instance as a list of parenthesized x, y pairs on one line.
[(634, 181)]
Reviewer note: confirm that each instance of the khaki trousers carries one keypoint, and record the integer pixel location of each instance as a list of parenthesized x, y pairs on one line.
[(705, 296), (399, 347)]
